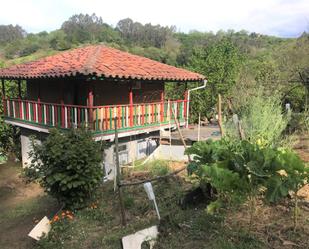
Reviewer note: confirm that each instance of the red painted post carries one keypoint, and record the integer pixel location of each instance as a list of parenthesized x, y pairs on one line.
[(185, 105), (119, 116), (162, 106), (90, 105), (131, 106), (106, 119), (39, 111), (62, 114)]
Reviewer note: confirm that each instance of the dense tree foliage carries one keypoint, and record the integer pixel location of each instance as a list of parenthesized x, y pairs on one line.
[(10, 33), (144, 35)]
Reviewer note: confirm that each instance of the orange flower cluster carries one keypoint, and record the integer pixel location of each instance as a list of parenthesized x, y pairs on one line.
[(94, 205), (64, 215)]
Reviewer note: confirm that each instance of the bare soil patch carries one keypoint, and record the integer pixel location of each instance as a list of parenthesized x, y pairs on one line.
[(22, 205)]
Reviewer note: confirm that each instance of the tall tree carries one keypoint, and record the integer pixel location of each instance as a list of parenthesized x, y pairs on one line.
[(10, 33), (82, 28), (220, 63)]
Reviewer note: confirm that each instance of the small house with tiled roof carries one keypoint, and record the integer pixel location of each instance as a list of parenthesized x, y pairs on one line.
[(91, 86)]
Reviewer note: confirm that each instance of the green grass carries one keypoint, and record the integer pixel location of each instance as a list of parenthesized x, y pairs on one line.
[(155, 167), (191, 228)]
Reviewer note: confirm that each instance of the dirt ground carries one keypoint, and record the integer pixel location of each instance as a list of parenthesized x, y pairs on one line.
[(21, 206)]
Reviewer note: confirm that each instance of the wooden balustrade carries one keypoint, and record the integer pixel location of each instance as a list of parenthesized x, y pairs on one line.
[(72, 116)]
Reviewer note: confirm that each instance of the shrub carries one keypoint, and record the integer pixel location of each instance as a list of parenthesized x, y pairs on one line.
[(9, 140), (262, 119), (68, 166)]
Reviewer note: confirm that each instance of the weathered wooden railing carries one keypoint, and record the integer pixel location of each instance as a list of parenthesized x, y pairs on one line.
[(97, 118)]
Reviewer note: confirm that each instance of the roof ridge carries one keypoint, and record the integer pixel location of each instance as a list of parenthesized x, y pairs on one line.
[(91, 60)]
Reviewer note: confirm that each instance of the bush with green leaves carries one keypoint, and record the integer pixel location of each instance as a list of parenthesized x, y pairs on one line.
[(241, 171), (68, 166), (9, 141), (262, 119)]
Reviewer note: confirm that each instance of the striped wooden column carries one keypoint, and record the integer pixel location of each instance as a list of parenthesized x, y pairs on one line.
[(131, 107)]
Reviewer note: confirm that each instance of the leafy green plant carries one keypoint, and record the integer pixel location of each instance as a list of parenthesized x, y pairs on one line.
[(67, 165), (241, 171)]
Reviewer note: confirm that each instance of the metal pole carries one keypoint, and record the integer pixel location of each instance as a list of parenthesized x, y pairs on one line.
[(123, 217)]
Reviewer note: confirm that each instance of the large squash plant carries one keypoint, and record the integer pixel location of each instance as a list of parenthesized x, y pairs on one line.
[(240, 171)]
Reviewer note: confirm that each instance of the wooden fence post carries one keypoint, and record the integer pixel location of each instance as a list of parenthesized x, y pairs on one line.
[(118, 180)]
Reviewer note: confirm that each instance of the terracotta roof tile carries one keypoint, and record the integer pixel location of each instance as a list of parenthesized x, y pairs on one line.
[(101, 61)]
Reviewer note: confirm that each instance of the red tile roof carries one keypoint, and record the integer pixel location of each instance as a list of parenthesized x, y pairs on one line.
[(99, 61)]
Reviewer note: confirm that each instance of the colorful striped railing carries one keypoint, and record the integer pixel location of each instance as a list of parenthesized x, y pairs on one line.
[(100, 119)]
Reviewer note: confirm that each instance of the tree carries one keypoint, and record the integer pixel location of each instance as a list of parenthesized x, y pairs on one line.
[(82, 28), (220, 63), (10, 33), (144, 35), (67, 165), (58, 40)]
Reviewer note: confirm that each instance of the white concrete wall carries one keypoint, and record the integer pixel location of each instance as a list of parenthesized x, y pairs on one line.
[(128, 152), (167, 152), (25, 149)]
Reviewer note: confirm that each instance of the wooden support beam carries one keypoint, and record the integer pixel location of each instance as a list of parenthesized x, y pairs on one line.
[(185, 105), (118, 176), (90, 105)]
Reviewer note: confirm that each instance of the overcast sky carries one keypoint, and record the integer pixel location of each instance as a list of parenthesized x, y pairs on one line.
[(285, 18)]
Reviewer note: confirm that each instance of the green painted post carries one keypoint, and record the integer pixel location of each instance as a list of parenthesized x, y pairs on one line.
[(59, 116)]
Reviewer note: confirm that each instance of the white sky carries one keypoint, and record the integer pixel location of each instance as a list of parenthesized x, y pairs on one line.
[(286, 18)]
